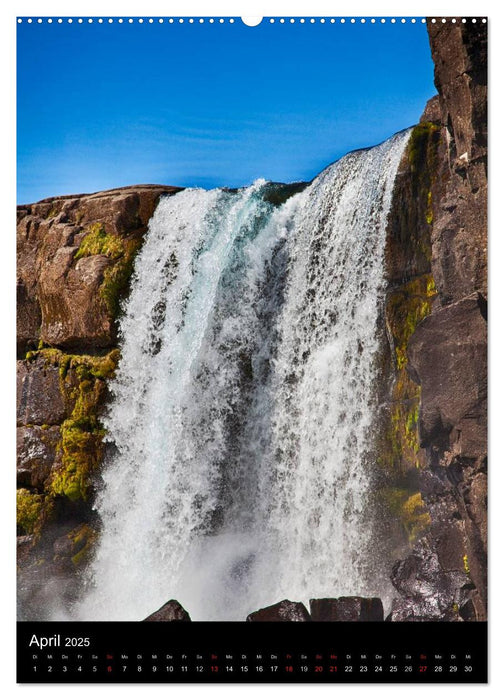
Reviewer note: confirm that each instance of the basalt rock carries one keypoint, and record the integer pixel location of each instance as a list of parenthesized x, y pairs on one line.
[(74, 258), (171, 611), (429, 592), (60, 401), (432, 111), (346, 609), (285, 611), (39, 399), (459, 236), (36, 454), (73, 549), (24, 544), (448, 357), (440, 346)]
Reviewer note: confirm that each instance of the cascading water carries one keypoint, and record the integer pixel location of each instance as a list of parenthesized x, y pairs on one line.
[(244, 401)]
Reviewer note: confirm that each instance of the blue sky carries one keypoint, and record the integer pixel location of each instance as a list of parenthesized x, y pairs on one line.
[(106, 105)]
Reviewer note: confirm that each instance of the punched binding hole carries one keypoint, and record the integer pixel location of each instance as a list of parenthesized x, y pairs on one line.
[(252, 21)]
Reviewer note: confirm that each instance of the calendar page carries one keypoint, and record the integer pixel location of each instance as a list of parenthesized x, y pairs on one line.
[(251, 349)]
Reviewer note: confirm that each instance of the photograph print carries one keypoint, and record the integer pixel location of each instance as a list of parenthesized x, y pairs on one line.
[(251, 320)]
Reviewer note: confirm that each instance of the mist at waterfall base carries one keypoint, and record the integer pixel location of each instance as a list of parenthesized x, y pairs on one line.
[(243, 406)]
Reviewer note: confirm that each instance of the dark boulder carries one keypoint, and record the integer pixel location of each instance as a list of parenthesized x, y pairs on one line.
[(428, 591), (171, 611), (285, 611), (348, 608)]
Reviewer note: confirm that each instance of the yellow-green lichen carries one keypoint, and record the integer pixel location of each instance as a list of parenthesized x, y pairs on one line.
[(28, 511), (99, 242), (99, 366), (116, 277), (410, 509), (82, 386), (429, 215), (80, 448), (83, 540), (121, 252), (423, 159), (418, 143), (465, 560), (405, 308), (81, 439)]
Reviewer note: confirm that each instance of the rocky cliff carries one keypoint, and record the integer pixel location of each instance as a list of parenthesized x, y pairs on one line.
[(75, 257), (436, 317)]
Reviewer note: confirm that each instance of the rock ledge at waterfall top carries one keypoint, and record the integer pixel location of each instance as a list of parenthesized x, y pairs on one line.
[(74, 259)]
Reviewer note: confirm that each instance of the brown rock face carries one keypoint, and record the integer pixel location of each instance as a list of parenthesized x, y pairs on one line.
[(36, 454), (74, 260), (75, 256), (443, 335), (448, 358), (349, 608), (429, 590), (285, 611), (39, 399), (459, 237), (432, 111), (171, 611), (420, 179)]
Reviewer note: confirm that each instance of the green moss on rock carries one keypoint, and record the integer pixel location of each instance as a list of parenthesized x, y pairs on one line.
[(76, 547), (83, 388), (419, 142), (406, 306), (29, 508), (82, 433), (410, 509), (81, 449), (121, 252), (408, 301), (99, 242), (117, 276), (422, 157), (83, 540), (465, 561), (429, 215), (100, 366)]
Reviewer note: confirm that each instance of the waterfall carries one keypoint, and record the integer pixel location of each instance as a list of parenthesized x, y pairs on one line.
[(242, 412)]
